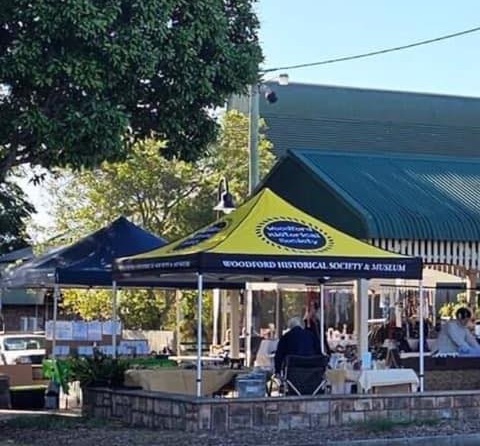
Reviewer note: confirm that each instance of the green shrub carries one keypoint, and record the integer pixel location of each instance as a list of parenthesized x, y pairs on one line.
[(98, 370)]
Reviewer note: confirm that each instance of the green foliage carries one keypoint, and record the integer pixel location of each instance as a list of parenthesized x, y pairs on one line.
[(57, 371), (449, 309), (146, 188), (137, 309), (188, 324), (98, 370), (91, 304), (13, 212), (230, 156), (146, 309), (82, 79)]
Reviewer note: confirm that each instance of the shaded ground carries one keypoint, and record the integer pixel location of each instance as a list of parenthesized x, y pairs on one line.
[(50, 430)]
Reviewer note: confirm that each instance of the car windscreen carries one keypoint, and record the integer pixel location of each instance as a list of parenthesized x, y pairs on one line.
[(23, 343)]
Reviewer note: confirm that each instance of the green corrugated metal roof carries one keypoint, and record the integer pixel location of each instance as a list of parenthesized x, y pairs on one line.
[(400, 196), (364, 120)]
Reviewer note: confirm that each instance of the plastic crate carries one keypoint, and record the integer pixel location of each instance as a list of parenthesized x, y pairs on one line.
[(250, 386)]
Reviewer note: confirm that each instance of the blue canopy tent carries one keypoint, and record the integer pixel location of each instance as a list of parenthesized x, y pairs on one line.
[(86, 263)]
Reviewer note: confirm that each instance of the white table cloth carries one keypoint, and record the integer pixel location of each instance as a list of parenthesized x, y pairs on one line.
[(369, 379)]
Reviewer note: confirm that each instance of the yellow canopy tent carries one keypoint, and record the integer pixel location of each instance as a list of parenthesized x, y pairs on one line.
[(265, 239)]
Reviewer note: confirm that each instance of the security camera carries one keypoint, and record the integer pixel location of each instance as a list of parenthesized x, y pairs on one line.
[(271, 96)]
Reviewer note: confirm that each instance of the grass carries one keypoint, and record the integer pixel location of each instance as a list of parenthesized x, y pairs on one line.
[(386, 425), (50, 422)]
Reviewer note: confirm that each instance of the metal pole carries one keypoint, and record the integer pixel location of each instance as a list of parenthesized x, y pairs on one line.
[(178, 319), (361, 316), (248, 326), (224, 324), (322, 318), (253, 180), (216, 311), (278, 331), (114, 318), (253, 166), (421, 336), (56, 292), (234, 325), (199, 335)]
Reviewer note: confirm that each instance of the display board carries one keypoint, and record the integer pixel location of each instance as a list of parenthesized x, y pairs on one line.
[(83, 336)]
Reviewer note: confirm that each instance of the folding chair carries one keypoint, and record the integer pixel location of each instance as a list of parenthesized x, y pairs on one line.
[(305, 375)]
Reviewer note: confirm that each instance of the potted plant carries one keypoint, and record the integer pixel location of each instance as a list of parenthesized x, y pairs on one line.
[(98, 370)]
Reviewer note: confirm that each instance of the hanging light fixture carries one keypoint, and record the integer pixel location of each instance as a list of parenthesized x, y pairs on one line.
[(226, 203)]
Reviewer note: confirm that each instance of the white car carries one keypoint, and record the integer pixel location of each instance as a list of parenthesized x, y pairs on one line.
[(22, 349)]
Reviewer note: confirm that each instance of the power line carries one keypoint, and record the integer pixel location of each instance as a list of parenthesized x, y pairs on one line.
[(374, 53)]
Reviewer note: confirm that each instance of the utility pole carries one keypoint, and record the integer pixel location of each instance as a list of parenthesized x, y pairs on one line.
[(253, 180), (253, 159)]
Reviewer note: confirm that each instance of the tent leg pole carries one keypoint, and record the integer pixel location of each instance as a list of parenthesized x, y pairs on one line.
[(278, 331), (178, 319), (361, 292), (199, 335), (114, 319), (216, 311), (248, 326), (234, 326), (421, 337), (322, 318), (56, 293)]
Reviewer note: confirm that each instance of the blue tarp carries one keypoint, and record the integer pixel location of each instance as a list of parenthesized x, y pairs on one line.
[(87, 262)]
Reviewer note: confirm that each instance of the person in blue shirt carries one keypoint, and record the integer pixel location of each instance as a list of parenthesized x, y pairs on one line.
[(296, 341)]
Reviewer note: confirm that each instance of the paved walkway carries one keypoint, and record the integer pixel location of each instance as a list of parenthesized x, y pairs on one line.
[(12, 413), (443, 440)]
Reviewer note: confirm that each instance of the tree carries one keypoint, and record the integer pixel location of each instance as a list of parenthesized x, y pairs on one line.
[(90, 304), (80, 80), (139, 309), (168, 197), (146, 188), (13, 212)]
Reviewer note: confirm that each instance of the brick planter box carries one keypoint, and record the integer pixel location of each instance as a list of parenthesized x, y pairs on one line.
[(167, 411), (448, 373)]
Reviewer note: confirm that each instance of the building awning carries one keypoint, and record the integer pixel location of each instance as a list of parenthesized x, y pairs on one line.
[(384, 196)]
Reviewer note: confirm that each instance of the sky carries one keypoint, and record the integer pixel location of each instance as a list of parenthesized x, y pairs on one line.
[(301, 31)]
